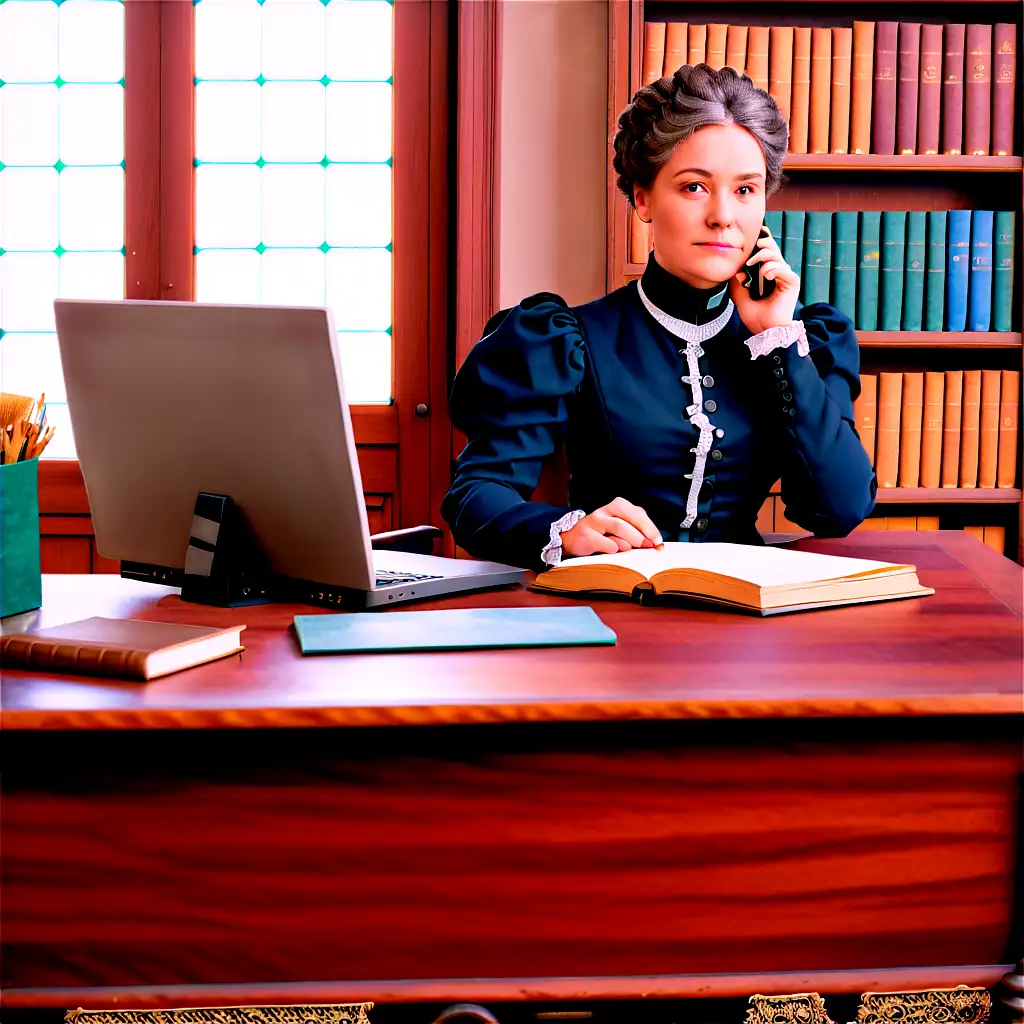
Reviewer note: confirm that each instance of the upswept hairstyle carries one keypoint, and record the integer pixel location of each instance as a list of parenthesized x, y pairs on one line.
[(663, 114)]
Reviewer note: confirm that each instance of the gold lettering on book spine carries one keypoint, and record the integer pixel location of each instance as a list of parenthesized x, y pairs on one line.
[(349, 1013), (961, 1005), (799, 1008)]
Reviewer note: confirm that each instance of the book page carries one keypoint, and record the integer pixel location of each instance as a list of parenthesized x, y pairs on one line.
[(761, 566)]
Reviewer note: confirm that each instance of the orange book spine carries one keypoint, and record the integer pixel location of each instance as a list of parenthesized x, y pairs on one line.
[(862, 76), (927, 522), (716, 46), (696, 44), (976, 531), (800, 105), (995, 538), (931, 430), (842, 65), (1009, 410), (46, 655), (757, 55), (780, 68), (736, 48), (951, 427), (821, 89), (864, 409), (887, 455), (970, 419), (654, 52), (675, 47), (902, 523), (988, 438), (910, 429), (873, 523)]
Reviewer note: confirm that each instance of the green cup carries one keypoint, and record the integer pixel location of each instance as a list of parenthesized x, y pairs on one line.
[(21, 585)]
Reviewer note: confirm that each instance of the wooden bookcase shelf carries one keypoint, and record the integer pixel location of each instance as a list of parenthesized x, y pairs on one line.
[(858, 182)]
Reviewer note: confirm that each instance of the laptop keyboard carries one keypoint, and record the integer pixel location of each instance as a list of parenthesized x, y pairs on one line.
[(384, 578)]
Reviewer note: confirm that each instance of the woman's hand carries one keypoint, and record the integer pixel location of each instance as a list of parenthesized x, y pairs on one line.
[(617, 526), (777, 309)]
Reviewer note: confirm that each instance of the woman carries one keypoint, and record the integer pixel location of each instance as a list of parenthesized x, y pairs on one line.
[(680, 399)]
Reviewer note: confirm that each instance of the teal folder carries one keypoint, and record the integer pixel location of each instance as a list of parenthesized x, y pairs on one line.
[(457, 629)]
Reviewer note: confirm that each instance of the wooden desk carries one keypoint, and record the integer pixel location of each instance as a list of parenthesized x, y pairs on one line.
[(716, 801)]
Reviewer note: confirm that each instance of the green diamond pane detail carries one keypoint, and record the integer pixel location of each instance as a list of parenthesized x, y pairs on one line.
[(261, 248), (120, 82), (58, 81), (123, 165), (60, 250), (388, 247), (388, 332), (325, 80), (324, 247), (388, 162), (391, 79), (124, 251), (260, 80), (2, 165), (324, 162), (59, 165), (260, 162)]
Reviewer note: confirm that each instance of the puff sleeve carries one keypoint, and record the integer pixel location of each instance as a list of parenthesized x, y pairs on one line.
[(828, 485), (510, 400)]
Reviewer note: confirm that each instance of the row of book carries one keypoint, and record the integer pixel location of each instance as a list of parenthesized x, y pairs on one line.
[(879, 87), (956, 428), (897, 270)]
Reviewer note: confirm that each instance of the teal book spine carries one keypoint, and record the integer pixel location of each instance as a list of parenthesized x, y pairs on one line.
[(844, 264), (913, 271), (773, 219), (980, 288), (1002, 287), (793, 242), (894, 242), (958, 263), (867, 270), (818, 257), (935, 274)]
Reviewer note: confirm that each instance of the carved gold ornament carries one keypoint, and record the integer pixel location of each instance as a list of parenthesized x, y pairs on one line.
[(350, 1013), (800, 1008), (960, 1005)]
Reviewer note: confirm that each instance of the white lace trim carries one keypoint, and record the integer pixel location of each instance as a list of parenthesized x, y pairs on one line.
[(552, 551), (683, 328), (779, 337)]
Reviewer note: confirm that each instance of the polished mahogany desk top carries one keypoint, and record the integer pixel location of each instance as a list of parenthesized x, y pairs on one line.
[(958, 652)]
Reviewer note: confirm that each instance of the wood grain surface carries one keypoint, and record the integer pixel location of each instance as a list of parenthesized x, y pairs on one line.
[(956, 652)]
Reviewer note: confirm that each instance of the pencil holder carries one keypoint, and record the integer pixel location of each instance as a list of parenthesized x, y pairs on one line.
[(20, 579)]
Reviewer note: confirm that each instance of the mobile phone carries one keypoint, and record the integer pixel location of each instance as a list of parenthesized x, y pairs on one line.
[(758, 288)]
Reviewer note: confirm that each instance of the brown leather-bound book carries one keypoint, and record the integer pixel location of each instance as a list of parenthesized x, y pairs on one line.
[(910, 429), (909, 69), (865, 411), (736, 48), (800, 106), (988, 438), (995, 538), (780, 67), (122, 648), (1009, 414), (696, 44), (978, 90), (654, 52), (951, 411), (639, 239), (821, 89), (862, 76), (927, 522), (716, 46), (757, 55), (953, 89), (883, 115), (970, 420), (842, 68), (1004, 86), (675, 47), (931, 429), (929, 102), (887, 451)]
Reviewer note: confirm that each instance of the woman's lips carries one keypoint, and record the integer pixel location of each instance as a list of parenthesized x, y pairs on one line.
[(717, 246)]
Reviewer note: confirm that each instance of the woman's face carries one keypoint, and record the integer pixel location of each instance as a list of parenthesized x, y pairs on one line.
[(707, 204)]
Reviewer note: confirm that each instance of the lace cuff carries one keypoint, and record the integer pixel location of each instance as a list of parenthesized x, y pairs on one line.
[(779, 337), (552, 552)]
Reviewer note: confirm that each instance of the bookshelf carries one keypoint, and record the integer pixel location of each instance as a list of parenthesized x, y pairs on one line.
[(836, 182)]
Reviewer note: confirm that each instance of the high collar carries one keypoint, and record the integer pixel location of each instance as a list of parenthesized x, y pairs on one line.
[(682, 300)]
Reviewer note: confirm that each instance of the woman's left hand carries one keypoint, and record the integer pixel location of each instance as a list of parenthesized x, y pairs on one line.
[(777, 309)]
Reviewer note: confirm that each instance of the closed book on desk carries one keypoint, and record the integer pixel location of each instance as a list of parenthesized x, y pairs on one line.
[(455, 629), (767, 580), (124, 648)]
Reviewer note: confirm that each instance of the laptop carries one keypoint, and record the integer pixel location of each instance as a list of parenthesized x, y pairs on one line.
[(170, 400)]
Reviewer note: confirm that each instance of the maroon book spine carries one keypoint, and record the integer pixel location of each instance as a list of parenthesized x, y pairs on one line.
[(930, 89), (953, 90), (978, 90), (883, 130), (1004, 84), (906, 98)]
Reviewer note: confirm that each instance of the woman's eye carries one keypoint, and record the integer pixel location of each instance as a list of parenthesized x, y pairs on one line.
[(749, 190), (693, 186)]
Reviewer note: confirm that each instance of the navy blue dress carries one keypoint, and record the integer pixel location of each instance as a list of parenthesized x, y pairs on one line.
[(605, 380)]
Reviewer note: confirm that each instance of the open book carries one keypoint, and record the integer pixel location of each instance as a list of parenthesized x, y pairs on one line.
[(768, 580)]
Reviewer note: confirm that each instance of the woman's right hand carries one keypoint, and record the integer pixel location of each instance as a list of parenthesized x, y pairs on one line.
[(617, 526)]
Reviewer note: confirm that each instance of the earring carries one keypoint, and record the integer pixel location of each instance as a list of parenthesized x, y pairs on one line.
[(642, 221)]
